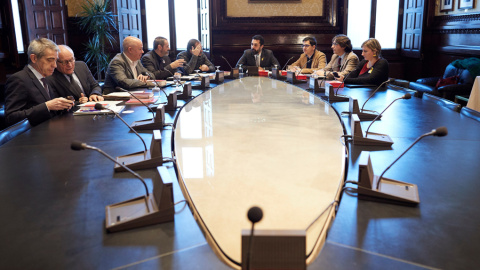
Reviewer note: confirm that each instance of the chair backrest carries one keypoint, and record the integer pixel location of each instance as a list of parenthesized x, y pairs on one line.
[(13, 131), (470, 113), (465, 77)]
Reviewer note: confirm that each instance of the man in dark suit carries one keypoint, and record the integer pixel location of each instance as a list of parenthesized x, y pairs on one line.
[(27, 93), (125, 69), (158, 62), (73, 78), (258, 56)]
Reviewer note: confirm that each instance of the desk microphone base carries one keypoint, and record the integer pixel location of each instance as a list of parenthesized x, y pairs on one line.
[(373, 139), (143, 211), (389, 190), (144, 159), (363, 116), (138, 161), (153, 123)]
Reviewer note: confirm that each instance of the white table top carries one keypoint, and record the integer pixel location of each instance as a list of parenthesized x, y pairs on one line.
[(257, 141)]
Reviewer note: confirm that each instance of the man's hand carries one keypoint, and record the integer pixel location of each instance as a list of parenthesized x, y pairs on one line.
[(96, 98), (142, 78), (83, 99), (177, 63), (196, 51), (58, 104), (204, 67)]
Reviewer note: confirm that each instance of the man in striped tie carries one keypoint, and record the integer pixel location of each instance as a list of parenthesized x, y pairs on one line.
[(343, 60), (27, 94)]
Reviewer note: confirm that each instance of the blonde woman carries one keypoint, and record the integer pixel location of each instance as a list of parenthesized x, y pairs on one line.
[(373, 69)]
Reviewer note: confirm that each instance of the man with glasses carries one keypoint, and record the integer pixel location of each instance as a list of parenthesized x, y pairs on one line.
[(311, 59), (73, 78), (158, 62), (27, 92), (258, 56), (343, 59)]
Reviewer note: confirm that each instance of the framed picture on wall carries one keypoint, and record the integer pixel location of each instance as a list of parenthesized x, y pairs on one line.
[(465, 4), (274, 1), (446, 5)]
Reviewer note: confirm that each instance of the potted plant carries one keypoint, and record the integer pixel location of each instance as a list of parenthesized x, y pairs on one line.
[(97, 20)]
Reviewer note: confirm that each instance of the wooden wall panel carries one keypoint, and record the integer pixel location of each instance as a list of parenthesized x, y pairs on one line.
[(283, 35)]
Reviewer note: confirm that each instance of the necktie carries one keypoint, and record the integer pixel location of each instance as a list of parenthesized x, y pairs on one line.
[(45, 86), (257, 60), (75, 87), (339, 63)]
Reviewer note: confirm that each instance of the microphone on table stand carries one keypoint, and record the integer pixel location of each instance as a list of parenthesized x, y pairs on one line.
[(118, 88), (439, 132), (300, 72), (77, 145), (155, 81), (287, 62), (226, 61), (406, 96), (387, 81), (99, 106), (255, 214)]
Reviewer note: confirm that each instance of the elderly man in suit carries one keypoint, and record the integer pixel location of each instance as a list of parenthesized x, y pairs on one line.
[(73, 78), (158, 62), (125, 70), (258, 56), (27, 93), (343, 60)]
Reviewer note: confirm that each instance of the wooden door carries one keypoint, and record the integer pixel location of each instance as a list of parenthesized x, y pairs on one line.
[(129, 19), (413, 20), (46, 18)]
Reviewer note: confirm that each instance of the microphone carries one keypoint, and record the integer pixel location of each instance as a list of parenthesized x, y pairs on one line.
[(439, 132), (118, 88), (255, 214), (344, 78), (77, 146), (406, 96), (387, 81), (287, 62), (226, 61), (99, 106), (300, 72)]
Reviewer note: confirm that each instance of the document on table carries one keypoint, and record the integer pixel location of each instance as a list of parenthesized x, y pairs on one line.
[(89, 108)]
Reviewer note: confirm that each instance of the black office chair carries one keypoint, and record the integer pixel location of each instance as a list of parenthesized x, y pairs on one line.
[(443, 102), (428, 85), (13, 131), (470, 113)]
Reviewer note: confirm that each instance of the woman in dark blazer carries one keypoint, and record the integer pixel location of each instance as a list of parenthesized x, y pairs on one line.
[(373, 69)]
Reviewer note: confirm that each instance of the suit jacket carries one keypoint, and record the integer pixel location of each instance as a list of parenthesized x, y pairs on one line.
[(349, 62), (377, 74), (267, 62), (25, 97), (120, 74), (158, 66), (194, 62), (62, 87), (319, 61)]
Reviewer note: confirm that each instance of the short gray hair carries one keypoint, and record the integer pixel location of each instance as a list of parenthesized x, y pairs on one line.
[(38, 47)]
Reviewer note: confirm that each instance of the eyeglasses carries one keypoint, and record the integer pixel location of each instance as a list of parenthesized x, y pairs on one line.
[(334, 43), (66, 62), (306, 45)]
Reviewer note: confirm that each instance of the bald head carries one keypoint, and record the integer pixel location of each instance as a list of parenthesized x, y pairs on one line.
[(133, 48)]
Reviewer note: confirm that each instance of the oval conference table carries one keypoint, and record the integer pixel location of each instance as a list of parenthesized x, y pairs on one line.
[(53, 199)]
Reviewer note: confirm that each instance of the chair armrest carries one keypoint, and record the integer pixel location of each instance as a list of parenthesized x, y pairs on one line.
[(432, 81), (457, 89)]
